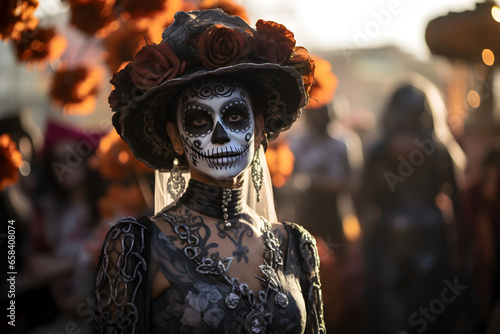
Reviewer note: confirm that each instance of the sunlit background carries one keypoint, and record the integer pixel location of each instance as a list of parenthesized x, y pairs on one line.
[(392, 231), (332, 25)]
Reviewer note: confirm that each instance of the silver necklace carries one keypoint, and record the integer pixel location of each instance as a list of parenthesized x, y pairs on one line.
[(257, 319)]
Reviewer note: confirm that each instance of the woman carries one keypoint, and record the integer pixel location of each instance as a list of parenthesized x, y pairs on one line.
[(408, 204), (204, 100)]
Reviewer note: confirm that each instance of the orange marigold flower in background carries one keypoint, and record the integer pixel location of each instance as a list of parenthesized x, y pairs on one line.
[(16, 16), (280, 160), (142, 8), (228, 6), (147, 12), (144, 15), (188, 6), (124, 43), (323, 89), (91, 16), (75, 89), (122, 200), (115, 161), (10, 160), (39, 45)]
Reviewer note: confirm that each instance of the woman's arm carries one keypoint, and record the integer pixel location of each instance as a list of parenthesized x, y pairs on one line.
[(122, 292), (309, 279)]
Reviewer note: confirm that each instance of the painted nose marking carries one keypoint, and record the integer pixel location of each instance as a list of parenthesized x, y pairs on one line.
[(219, 136)]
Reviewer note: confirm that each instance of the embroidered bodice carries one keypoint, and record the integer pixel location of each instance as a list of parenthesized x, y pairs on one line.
[(202, 297)]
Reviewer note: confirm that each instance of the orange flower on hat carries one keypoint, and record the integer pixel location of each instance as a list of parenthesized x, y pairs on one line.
[(16, 16), (124, 43), (301, 60), (39, 45), (115, 161), (76, 89), (91, 16), (323, 89), (273, 42), (10, 160), (154, 64), (220, 46), (228, 6)]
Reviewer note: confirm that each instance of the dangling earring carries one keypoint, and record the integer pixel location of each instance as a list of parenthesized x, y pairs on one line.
[(257, 173), (176, 182)]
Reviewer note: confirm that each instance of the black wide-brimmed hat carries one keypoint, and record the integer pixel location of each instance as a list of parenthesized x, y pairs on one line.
[(200, 45)]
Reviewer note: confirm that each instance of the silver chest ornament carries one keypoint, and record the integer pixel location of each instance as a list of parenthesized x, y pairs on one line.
[(257, 320)]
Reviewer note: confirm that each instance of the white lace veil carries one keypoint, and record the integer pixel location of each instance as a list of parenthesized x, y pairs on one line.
[(264, 207)]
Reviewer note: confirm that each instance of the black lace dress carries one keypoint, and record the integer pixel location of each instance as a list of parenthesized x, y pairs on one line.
[(203, 298)]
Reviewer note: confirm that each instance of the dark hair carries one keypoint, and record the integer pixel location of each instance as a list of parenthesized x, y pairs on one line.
[(408, 109)]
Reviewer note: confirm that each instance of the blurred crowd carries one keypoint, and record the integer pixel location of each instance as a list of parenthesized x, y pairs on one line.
[(408, 236), (407, 225), (66, 195)]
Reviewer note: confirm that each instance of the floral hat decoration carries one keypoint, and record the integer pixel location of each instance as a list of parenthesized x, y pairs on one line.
[(199, 45)]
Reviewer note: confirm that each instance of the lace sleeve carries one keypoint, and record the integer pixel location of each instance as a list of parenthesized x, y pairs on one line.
[(309, 278), (121, 283)]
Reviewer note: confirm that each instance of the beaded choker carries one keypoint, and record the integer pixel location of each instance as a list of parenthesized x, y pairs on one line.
[(213, 201)]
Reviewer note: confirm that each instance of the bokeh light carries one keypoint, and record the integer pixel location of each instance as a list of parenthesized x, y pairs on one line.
[(495, 12), (473, 99), (488, 57)]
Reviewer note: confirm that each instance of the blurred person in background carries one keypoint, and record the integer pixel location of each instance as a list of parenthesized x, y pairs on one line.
[(408, 206), (320, 190), (481, 207), (66, 214), (319, 196), (129, 188)]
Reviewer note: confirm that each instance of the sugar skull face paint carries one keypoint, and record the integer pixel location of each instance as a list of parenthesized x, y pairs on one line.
[(216, 124)]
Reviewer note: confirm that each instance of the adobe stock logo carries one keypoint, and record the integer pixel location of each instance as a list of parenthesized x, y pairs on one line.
[(407, 167), (436, 306)]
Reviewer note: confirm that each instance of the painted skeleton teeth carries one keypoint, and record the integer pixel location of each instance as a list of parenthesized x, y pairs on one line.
[(221, 158)]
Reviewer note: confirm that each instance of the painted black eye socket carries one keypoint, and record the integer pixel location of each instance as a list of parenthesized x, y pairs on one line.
[(236, 116), (197, 121)]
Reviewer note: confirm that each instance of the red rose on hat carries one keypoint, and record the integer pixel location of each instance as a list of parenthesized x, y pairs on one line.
[(273, 42), (221, 46), (155, 64)]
